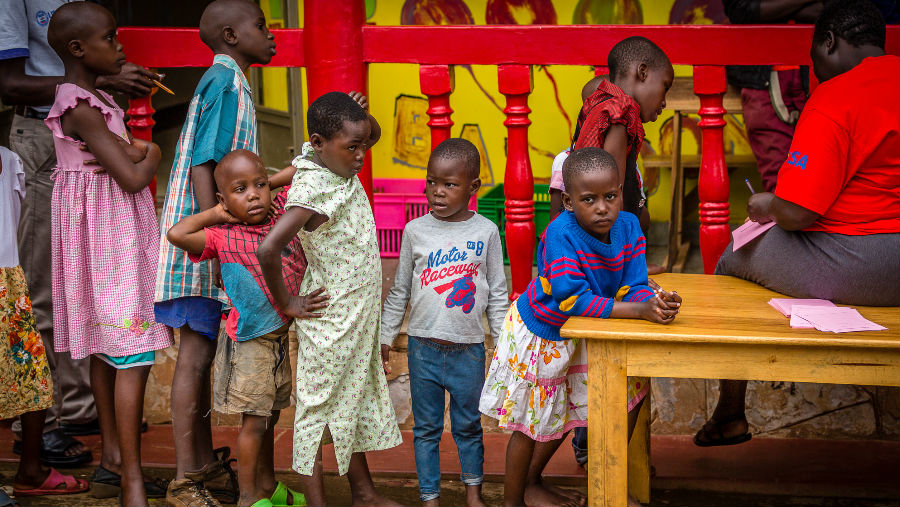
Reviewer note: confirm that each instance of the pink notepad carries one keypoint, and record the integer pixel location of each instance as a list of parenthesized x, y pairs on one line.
[(784, 305), (747, 232), (835, 320)]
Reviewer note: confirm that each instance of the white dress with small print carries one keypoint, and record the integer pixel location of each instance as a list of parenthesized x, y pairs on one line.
[(340, 380)]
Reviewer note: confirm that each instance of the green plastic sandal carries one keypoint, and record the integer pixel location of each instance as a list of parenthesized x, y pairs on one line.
[(280, 496), (262, 502)]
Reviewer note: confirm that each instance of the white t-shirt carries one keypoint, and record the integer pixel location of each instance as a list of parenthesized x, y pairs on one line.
[(12, 192), (23, 33)]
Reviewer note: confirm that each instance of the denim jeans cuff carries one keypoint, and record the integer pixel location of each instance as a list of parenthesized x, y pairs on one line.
[(429, 495), (471, 479)]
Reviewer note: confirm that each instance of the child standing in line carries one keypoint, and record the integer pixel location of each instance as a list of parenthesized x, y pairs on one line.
[(252, 370), (611, 118), (104, 239), (341, 390), (450, 272), (26, 388), (221, 118), (590, 264)]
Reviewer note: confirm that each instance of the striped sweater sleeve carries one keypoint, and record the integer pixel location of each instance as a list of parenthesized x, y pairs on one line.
[(567, 283)]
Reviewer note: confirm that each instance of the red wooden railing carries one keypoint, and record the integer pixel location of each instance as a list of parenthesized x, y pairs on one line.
[(336, 46)]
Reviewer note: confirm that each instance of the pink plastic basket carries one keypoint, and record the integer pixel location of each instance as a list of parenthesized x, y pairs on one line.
[(397, 201)]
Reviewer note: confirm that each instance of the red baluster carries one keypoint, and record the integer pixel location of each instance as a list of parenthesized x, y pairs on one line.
[(140, 112), (436, 82), (518, 183), (709, 85), (333, 52)]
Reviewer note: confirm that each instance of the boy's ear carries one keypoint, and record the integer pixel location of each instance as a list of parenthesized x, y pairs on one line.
[(643, 71), (75, 48), (567, 201), (221, 199), (476, 184), (830, 42), (316, 140), (229, 36)]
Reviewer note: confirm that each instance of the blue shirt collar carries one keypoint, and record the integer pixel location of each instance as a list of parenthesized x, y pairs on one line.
[(231, 64)]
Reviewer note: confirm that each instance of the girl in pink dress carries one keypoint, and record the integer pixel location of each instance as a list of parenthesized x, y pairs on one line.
[(105, 239)]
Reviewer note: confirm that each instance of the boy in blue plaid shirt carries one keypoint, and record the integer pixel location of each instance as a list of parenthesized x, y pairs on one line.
[(221, 118)]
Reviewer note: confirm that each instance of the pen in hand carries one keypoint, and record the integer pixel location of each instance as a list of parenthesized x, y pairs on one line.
[(747, 181)]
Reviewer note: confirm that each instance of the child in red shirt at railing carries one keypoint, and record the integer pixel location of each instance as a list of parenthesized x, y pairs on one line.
[(611, 118)]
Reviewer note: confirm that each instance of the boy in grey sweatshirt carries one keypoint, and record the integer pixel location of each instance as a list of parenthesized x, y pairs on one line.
[(450, 272)]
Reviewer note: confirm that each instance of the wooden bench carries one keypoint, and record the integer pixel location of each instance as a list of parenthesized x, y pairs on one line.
[(726, 329)]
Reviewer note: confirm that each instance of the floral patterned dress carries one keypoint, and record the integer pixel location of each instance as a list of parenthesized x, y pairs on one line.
[(340, 381)]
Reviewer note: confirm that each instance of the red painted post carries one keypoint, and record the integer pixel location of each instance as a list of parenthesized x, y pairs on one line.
[(140, 112), (709, 85), (333, 52), (436, 82), (518, 183)]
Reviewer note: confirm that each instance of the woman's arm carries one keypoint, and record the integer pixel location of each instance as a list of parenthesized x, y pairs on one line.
[(86, 123), (765, 207), (269, 255)]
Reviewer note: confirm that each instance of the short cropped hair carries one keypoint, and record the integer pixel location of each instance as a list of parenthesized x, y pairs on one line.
[(635, 50), (327, 114), (463, 150), (858, 22), (587, 160)]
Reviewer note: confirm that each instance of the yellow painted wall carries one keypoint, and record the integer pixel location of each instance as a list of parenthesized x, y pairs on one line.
[(396, 100)]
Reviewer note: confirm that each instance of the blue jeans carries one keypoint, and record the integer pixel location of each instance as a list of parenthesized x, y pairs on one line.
[(458, 369)]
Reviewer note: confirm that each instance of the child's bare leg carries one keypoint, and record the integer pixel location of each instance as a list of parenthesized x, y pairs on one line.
[(129, 397), (30, 472), (191, 402), (473, 496), (362, 489), (265, 470), (519, 452), (314, 485), (632, 421), (250, 443), (103, 382), (537, 493)]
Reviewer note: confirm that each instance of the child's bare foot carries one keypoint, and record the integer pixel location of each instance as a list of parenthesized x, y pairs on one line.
[(574, 494), (436, 502), (473, 496), (374, 500), (538, 495)]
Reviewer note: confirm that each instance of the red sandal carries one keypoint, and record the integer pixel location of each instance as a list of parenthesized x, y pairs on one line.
[(51, 486)]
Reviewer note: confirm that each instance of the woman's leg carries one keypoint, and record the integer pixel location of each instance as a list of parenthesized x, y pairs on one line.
[(129, 408)]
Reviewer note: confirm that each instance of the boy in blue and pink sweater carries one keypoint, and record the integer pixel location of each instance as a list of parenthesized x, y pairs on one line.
[(591, 264)]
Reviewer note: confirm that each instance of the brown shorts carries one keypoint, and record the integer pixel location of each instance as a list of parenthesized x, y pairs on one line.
[(254, 376)]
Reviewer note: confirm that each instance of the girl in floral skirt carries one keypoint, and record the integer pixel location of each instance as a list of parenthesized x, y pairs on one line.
[(590, 264), (26, 388)]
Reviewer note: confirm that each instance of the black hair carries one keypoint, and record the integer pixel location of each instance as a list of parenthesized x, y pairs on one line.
[(635, 50), (219, 14), (460, 149), (74, 20), (327, 114), (858, 22), (587, 160)]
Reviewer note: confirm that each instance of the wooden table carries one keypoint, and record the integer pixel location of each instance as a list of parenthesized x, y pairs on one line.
[(726, 329)]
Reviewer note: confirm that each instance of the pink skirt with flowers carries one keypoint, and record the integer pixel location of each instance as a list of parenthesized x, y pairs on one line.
[(538, 386)]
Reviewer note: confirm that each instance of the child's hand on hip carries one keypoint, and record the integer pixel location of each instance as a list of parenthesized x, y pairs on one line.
[(305, 307), (386, 358)]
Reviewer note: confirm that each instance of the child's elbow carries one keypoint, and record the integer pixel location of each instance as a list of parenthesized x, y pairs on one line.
[(173, 236)]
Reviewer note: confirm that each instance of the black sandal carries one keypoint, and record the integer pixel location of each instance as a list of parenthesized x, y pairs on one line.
[(54, 445), (713, 436), (107, 484)]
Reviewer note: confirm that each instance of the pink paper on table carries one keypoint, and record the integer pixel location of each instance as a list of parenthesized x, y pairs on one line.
[(798, 322), (747, 232), (784, 305), (836, 320)]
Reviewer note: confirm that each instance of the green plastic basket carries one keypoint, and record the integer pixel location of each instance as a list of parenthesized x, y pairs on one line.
[(492, 206)]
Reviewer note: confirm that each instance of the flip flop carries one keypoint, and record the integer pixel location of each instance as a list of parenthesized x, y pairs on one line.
[(107, 484), (263, 502), (713, 436), (54, 445), (279, 497), (51, 486)]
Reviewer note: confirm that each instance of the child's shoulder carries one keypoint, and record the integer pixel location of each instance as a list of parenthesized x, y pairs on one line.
[(216, 79)]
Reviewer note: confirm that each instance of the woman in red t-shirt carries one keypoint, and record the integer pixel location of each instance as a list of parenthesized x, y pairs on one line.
[(837, 200)]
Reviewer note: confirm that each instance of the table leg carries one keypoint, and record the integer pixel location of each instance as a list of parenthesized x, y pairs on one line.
[(608, 420), (639, 456)]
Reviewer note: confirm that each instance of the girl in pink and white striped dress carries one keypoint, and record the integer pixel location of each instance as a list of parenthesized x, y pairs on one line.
[(105, 238)]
